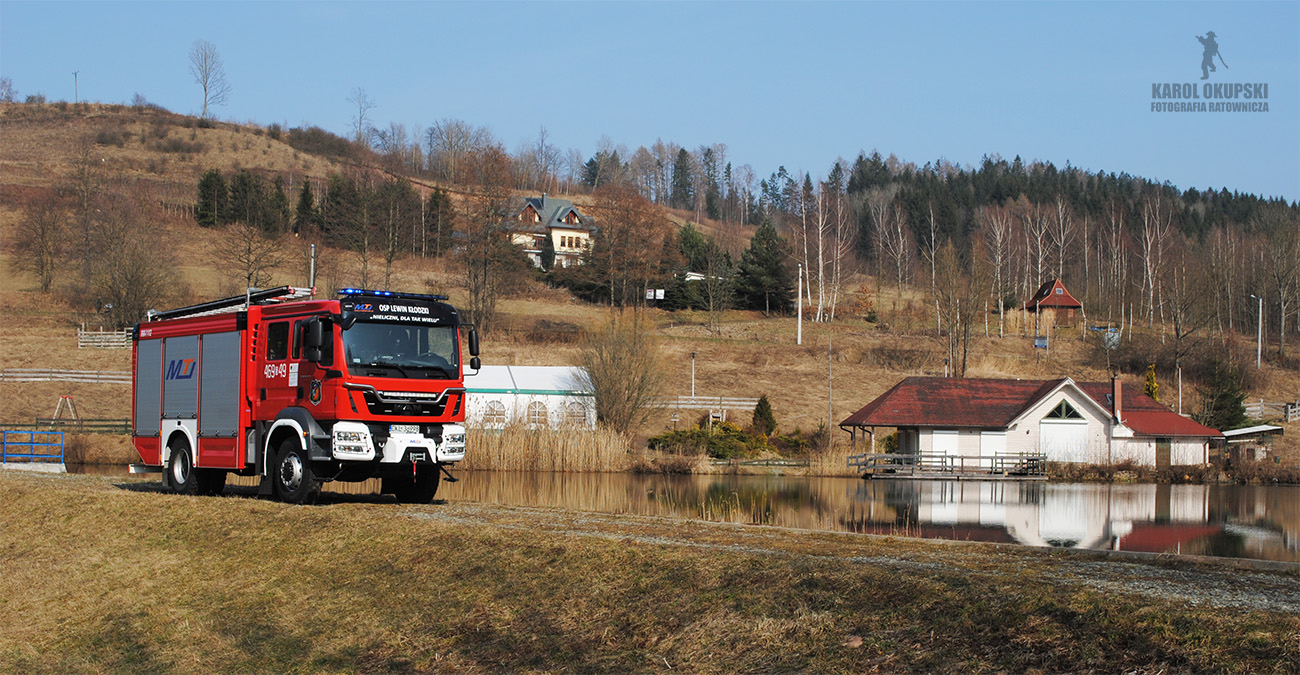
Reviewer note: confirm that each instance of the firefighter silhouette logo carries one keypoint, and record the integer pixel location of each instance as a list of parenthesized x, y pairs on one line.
[(315, 392), (1210, 49)]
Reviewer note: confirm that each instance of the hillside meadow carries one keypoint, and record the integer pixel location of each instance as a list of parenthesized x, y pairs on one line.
[(161, 155)]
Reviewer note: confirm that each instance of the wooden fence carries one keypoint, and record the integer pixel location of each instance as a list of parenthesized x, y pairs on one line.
[(1261, 409), (103, 339), (88, 376)]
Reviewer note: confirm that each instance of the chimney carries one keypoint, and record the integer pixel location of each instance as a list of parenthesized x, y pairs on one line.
[(1117, 398)]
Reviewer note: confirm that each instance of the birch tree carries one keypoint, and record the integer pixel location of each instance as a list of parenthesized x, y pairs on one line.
[(210, 74)]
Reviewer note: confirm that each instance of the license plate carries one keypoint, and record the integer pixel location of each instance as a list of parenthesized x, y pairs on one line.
[(404, 429)]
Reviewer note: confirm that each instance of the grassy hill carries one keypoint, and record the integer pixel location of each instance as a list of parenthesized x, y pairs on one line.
[(160, 156)]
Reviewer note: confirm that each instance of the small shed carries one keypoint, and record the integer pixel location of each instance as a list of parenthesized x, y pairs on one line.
[(539, 397), (1053, 297)]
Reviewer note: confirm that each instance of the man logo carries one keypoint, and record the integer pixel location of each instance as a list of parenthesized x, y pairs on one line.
[(180, 369), (314, 396)]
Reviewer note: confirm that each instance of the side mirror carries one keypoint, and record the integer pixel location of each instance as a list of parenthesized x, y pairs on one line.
[(476, 363), (314, 341), (473, 342)]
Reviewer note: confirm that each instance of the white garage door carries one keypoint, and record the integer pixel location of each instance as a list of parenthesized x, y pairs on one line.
[(1063, 440), (945, 443)]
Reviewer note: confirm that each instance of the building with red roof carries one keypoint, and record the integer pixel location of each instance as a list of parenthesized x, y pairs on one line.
[(1066, 421), (1052, 297)]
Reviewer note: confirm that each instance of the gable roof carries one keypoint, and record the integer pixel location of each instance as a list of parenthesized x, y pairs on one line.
[(552, 212), (968, 403), (1048, 298)]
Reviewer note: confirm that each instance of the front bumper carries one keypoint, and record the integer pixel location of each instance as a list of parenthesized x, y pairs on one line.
[(355, 442)]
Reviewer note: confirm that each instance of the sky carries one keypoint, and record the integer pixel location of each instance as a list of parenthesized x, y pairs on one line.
[(794, 84)]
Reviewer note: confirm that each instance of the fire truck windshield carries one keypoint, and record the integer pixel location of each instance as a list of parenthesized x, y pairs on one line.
[(400, 350)]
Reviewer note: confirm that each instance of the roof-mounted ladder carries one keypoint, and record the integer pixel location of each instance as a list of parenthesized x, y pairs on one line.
[(235, 303)]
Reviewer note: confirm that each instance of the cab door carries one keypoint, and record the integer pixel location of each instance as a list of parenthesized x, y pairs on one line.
[(278, 376)]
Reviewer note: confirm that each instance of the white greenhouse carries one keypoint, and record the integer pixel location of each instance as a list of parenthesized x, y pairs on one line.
[(539, 397)]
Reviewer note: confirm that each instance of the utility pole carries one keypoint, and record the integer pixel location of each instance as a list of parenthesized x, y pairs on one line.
[(76, 97), (1259, 331), (798, 298)]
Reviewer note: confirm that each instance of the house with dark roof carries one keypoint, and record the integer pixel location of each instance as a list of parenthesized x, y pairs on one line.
[(540, 218), (1066, 421), (1052, 297)]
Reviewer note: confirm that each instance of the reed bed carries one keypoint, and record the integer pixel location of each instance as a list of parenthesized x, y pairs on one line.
[(517, 448)]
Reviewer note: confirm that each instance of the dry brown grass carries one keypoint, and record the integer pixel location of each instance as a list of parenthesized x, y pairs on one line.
[(110, 575), (516, 448)]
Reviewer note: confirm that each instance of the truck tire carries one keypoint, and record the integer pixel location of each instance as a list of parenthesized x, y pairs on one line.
[(295, 483), (212, 482), (417, 489), (180, 469)]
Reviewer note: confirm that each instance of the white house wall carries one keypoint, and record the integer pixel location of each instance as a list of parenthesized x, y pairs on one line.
[(1025, 436)]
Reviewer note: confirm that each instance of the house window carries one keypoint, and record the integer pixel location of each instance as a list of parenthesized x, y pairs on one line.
[(539, 242), (1064, 411), (1060, 291), (536, 416), (495, 415), (575, 414)]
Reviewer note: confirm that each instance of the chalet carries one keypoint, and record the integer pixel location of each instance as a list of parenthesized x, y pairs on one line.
[(557, 219), (1066, 421), (1052, 297)]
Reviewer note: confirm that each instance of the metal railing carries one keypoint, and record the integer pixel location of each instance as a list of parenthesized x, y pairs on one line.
[(1008, 464), (121, 425), (708, 403), (46, 375), (11, 442), (104, 339)]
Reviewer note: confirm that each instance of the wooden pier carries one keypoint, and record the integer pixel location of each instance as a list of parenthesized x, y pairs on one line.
[(928, 466)]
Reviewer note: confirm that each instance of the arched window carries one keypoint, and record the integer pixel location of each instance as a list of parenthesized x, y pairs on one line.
[(575, 414), (536, 415), (495, 415), (1064, 411)]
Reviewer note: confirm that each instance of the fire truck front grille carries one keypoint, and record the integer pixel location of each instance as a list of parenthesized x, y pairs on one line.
[(394, 405)]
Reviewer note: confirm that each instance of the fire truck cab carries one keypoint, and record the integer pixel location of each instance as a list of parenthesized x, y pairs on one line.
[(301, 391)]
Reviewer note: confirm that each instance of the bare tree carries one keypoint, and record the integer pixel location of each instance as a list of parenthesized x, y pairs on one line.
[(997, 226), (251, 253), (361, 119), (622, 366), (450, 142), (1061, 234), (209, 73), (1157, 222), (7, 92), (491, 262), (39, 239)]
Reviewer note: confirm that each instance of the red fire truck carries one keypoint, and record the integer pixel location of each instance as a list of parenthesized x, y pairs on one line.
[(300, 391)]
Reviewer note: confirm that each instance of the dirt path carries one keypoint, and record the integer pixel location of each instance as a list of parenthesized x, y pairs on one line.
[(1197, 582)]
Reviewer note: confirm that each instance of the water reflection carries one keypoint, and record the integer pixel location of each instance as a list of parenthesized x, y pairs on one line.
[(1261, 522), (1235, 521)]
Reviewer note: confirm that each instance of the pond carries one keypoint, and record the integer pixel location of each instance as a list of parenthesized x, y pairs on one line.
[(1260, 522)]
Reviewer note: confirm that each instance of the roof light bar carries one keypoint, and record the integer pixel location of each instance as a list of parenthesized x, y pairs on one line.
[(391, 294)]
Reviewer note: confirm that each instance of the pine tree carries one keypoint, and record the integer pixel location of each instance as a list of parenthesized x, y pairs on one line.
[(763, 281), (548, 253), (764, 421), (683, 187), (1222, 399), (305, 215), (213, 195), (1152, 388)]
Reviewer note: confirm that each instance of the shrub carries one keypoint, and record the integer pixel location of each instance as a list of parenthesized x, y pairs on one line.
[(178, 146), (116, 137), (764, 421), (724, 441), (317, 141)]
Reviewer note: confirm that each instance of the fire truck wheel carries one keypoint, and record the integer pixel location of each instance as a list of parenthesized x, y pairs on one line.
[(181, 468), (294, 480)]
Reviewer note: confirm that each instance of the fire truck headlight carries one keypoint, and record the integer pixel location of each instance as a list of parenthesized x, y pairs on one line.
[(349, 437)]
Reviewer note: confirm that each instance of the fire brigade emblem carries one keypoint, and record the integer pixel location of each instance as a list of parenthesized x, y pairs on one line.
[(315, 392)]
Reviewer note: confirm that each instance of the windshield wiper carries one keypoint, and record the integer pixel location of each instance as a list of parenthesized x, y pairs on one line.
[(380, 364)]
